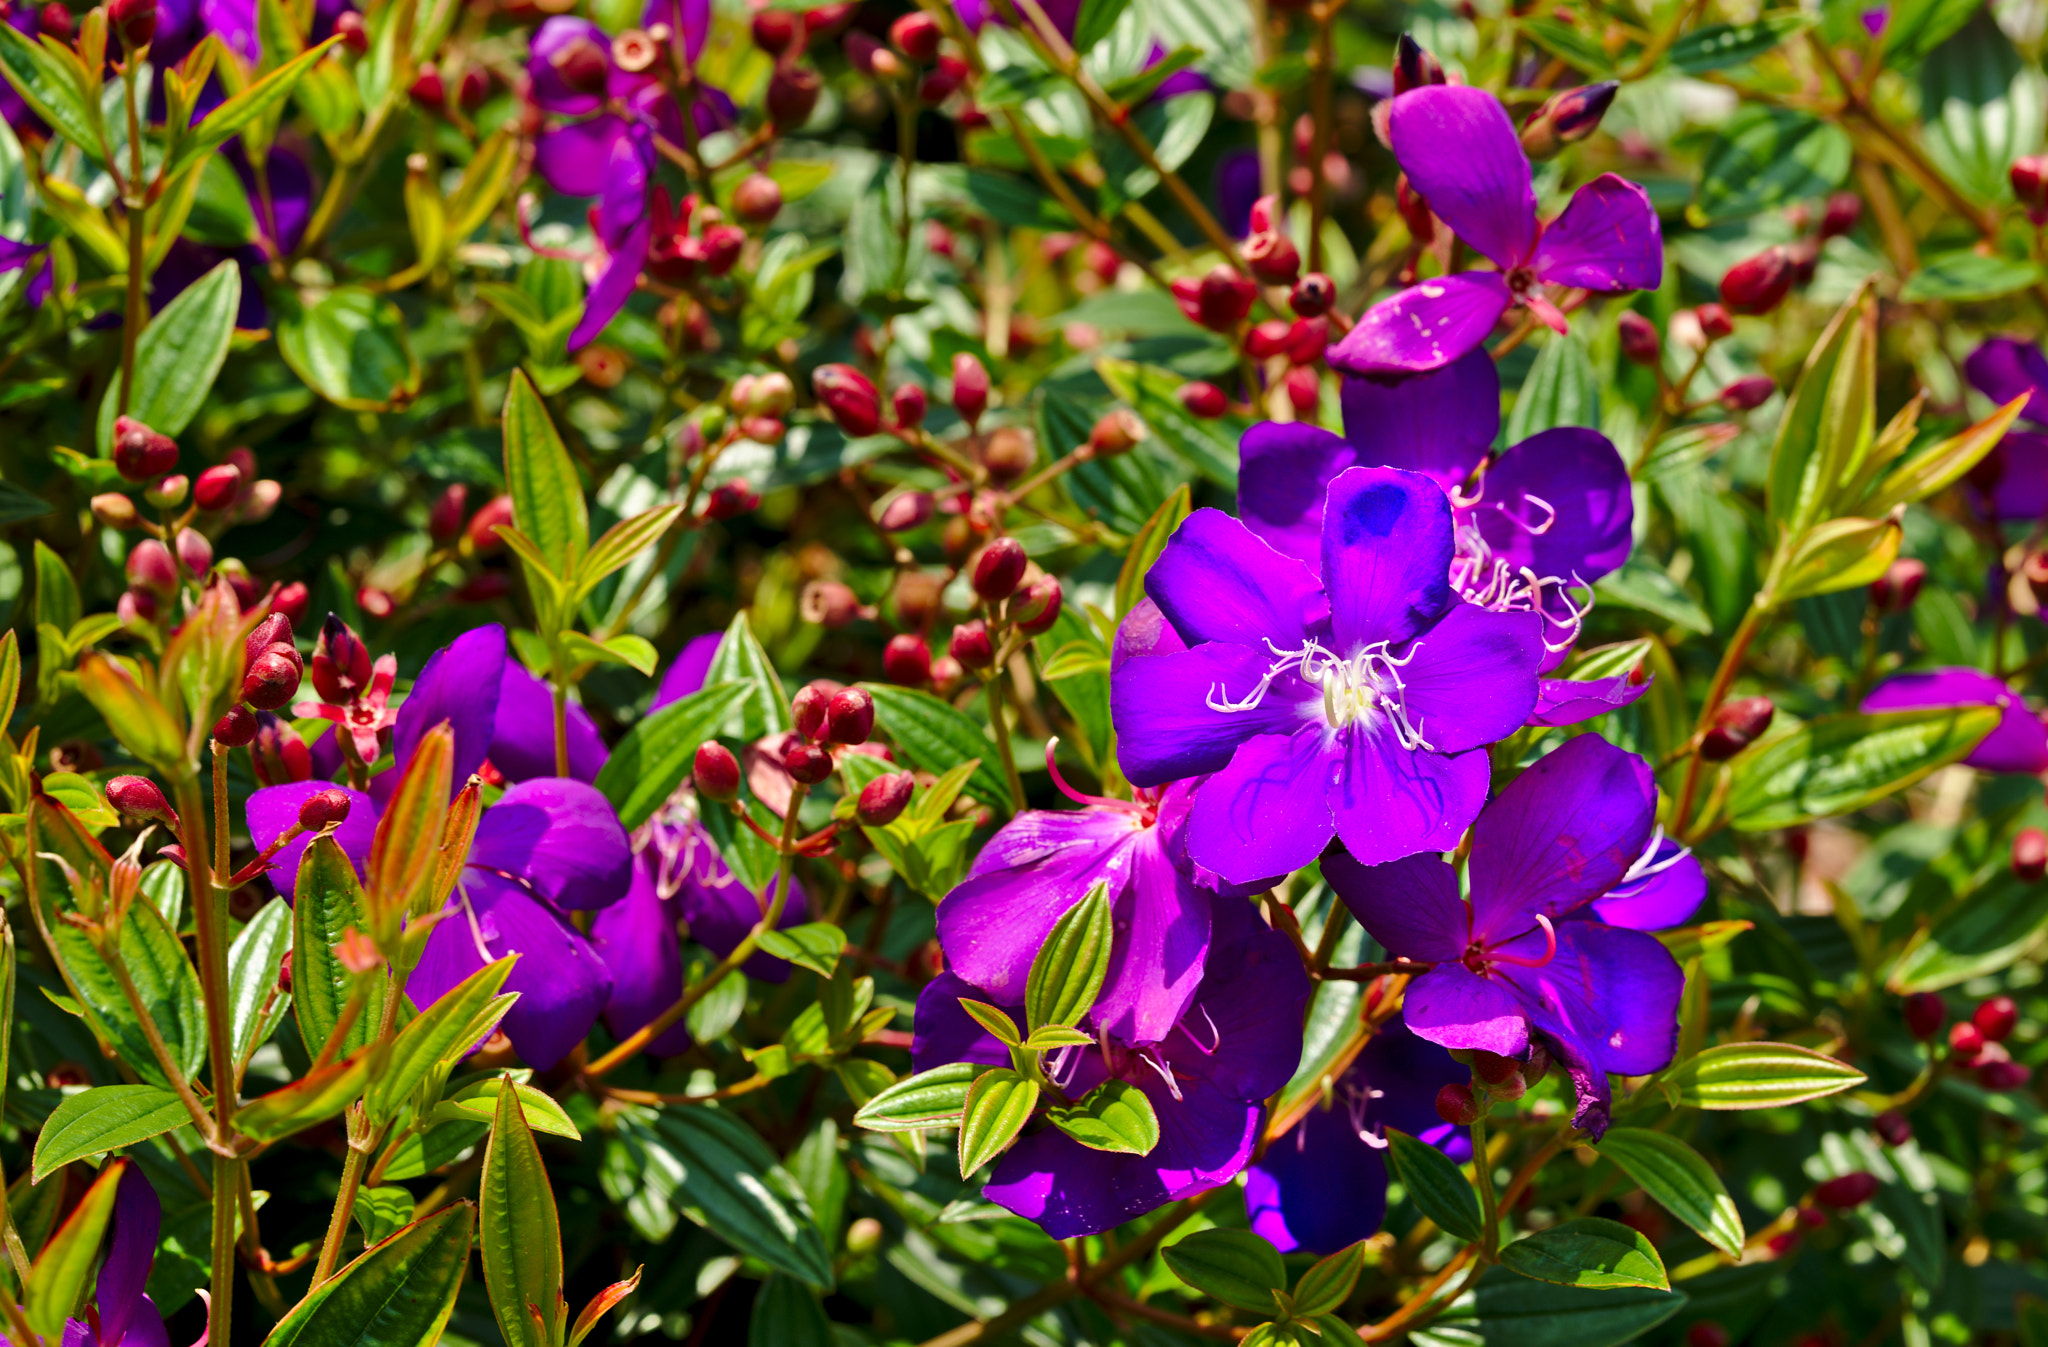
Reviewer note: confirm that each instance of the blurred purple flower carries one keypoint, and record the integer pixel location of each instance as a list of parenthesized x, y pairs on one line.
[(1550, 515), (1237, 189), (122, 1314), (1464, 156), (1352, 704), (2011, 482), (2018, 743), (1532, 954)]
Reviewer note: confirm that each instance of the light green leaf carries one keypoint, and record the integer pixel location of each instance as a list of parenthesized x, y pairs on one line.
[(936, 737), (1588, 1251), (1114, 1116), (933, 1098), (179, 355), (244, 108), (814, 945), (441, 1033), (1841, 763), (349, 346), (1757, 1075), (740, 659), (255, 1002), (103, 1119), (1677, 1179), (1068, 970), (999, 1103), (520, 1232), (655, 756)]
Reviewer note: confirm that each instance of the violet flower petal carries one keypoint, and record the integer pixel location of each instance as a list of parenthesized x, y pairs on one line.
[(1455, 1007), (2004, 368), (614, 286), (273, 809), (1386, 557), (689, 20), (1464, 156), (942, 1032), (561, 838), (1284, 471), (636, 937), (1392, 803), (1243, 1033), (1471, 679), (1665, 898), (1144, 631), (573, 158), (523, 732), (721, 912), (1567, 701), (685, 676), (1608, 239), (1166, 729), (1216, 580), (1236, 827), (1425, 327), (1440, 424), (131, 1252), (1570, 484), (2018, 743), (550, 92), (2019, 489), (1410, 906), (459, 685)]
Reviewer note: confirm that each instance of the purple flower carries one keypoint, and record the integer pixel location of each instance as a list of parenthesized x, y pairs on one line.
[(1042, 862), (1550, 515), (2011, 481), (1206, 1079), (1462, 154), (1323, 1184), (122, 1314), (2018, 744), (548, 846), (1532, 953), (1238, 187), (1352, 704), (27, 20)]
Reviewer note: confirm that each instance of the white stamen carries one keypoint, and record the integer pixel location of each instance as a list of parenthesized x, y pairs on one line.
[(1365, 687), (1647, 866)]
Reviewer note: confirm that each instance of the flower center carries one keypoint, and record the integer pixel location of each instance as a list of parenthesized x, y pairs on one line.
[(1479, 956), (1498, 585), (1365, 689)]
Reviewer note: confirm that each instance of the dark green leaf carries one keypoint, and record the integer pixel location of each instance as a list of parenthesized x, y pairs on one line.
[(1505, 1310), (1764, 157), (999, 1103), (1757, 1075), (1096, 19), (1067, 972), (255, 960), (165, 981), (1205, 447), (1569, 45), (1718, 46), (383, 1211), (933, 1098), (1588, 1251), (1436, 1186), (655, 756), (740, 659), (104, 1119), (1841, 763), (179, 354), (1114, 1116), (443, 1032), (1677, 1179), (1981, 932), (1967, 274), (520, 1232), (1916, 27), (349, 346), (733, 1186), (397, 1294), (933, 735), (1235, 1266)]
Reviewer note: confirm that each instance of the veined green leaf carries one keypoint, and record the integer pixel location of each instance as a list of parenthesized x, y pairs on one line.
[(179, 355), (547, 496), (520, 1232), (999, 1103), (656, 754), (1438, 1188), (933, 1098), (1841, 763), (440, 1033), (58, 1277), (106, 1118), (1114, 1116), (1677, 1179), (936, 737), (1068, 970), (399, 1293), (1235, 1266), (1588, 1251), (1757, 1075)]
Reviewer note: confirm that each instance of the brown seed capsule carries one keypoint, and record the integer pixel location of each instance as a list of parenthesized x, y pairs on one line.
[(1117, 432), (114, 510), (999, 569), (884, 799), (828, 603), (715, 772), (1008, 454)]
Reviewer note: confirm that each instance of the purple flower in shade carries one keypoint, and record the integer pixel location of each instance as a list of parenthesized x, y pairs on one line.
[(1550, 515), (1042, 862), (1323, 1184), (2019, 743), (549, 846), (123, 1314), (1353, 704), (27, 20), (1463, 155), (1238, 186), (1532, 953), (2011, 482), (1238, 1041)]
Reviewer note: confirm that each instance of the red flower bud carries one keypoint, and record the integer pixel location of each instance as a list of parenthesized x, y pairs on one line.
[(1895, 590), (114, 510), (273, 678), (1313, 295), (1273, 258), (909, 403), (1116, 432), (807, 763), (2029, 176), (1844, 209), (341, 666), (1036, 606), (135, 605), (1639, 340), (850, 717), (1706, 1333), (828, 603), (1304, 389), (444, 517), (137, 797), (884, 798), (1746, 395), (1736, 726), (2003, 1075), (970, 388), (807, 709), (849, 398), (1492, 1067), (775, 29), (428, 90), (715, 772), (825, 20), (1567, 118), (1849, 1190), (905, 511), (482, 530), (236, 728), (999, 569), (348, 26), (1264, 214), (150, 568), (134, 20), (1761, 283), (2030, 854), (730, 499), (758, 199), (792, 96), (722, 247), (916, 35), (1205, 400), (1218, 301), (1966, 1042), (291, 601), (56, 21), (1268, 339), (141, 454), (1715, 324), (473, 88), (1996, 1018), (970, 645), (1457, 1105), (323, 808), (168, 493), (907, 660), (218, 487), (1892, 1127)]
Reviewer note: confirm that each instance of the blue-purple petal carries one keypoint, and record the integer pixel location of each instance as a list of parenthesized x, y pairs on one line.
[(1216, 580), (1283, 474), (1464, 156), (1608, 239), (1386, 556), (1410, 906), (636, 937), (460, 686), (2005, 368), (685, 675), (523, 732), (1440, 424), (1471, 679), (1166, 728), (2018, 743), (560, 838), (274, 809), (1391, 802), (1425, 327), (1266, 811), (1568, 701), (1669, 891)]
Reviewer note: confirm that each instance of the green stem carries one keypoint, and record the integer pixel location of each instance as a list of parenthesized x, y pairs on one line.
[(138, 214), (210, 922), (344, 1206), (561, 723), (1482, 1174), (997, 702)]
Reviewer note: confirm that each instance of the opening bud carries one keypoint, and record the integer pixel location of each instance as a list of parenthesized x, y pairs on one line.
[(57, 21), (828, 603), (1218, 301), (482, 530), (1849, 1190), (1639, 339), (1273, 258), (137, 797), (715, 772), (850, 717), (1492, 1067), (341, 663), (1117, 432), (1966, 1042), (319, 810), (807, 764), (1737, 725), (849, 398), (134, 20), (1457, 1105), (1567, 118), (114, 510), (970, 645), (1996, 1018), (1205, 400), (970, 388), (907, 660), (999, 569), (273, 630), (1892, 1126), (582, 66), (2030, 854), (808, 708), (1746, 395), (168, 493), (1414, 66), (1895, 590), (1313, 295), (218, 487), (1761, 283), (140, 454), (884, 798)]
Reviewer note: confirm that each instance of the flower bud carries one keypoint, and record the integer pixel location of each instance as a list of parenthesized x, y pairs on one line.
[(137, 797), (444, 517), (114, 510), (807, 764), (1895, 590), (1457, 1105), (715, 772), (1313, 295), (770, 394), (1892, 1126), (428, 89), (970, 388), (236, 728), (775, 29), (1996, 1018), (582, 66), (828, 603), (140, 454), (1849, 1190), (907, 660), (150, 568), (273, 678), (1218, 301), (2030, 854), (849, 398), (999, 569), (723, 245), (1746, 395), (341, 666), (323, 808), (1304, 389), (1008, 454), (134, 20), (970, 645), (1492, 1067), (1844, 209), (1115, 433), (792, 96), (850, 717), (482, 530), (916, 35), (1706, 1333), (1736, 726), (1273, 258), (909, 404), (1715, 324), (1036, 606), (807, 709), (349, 27), (1966, 1042), (218, 487), (1639, 340), (2029, 176), (884, 798), (946, 675), (1761, 283), (731, 499), (1414, 66), (1567, 118), (475, 86), (55, 21), (2004, 1074), (290, 601), (168, 493), (1268, 339), (1924, 1013), (864, 1236), (1205, 400), (135, 605), (905, 511), (757, 200)]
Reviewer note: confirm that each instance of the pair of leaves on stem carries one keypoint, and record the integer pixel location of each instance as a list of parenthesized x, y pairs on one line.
[(1243, 1271)]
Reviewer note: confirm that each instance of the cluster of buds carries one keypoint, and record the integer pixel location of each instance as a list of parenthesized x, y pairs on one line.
[(1269, 254), (434, 91), (824, 716), (693, 239), (1300, 344), (762, 402), (1011, 587), (785, 34), (1760, 283), (1976, 1044), (1495, 1079), (913, 49), (227, 493)]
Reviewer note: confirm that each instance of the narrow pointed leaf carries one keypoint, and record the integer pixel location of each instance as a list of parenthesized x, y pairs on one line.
[(1066, 976), (328, 902), (244, 108), (520, 1232), (104, 1119), (443, 1032), (1326, 1286), (310, 1099), (547, 497), (255, 1003), (1678, 1180), (933, 1098), (399, 1293), (1758, 1075), (58, 1276)]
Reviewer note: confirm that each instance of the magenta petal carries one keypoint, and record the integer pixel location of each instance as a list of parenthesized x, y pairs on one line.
[(131, 1252), (562, 983), (1607, 239), (15, 254), (1464, 156), (636, 937), (1454, 1007), (689, 20), (1283, 472), (1392, 803), (1425, 327), (273, 809), (147, 1329), (1471, 679), (572, 158), (1440, 424), (549, 91), (1144, 631), (2018, 743), (942, 1032), (1562, 833), (685, 677), (459, 685), (1163, 923), (1216, 580), (1559, 503), (1411, 906), (1265, 813), (560, 838), (2003, 369), (523, 733), (1663, 898), (1566, 701), (1166, 729), (614, 286), (1386, 556)]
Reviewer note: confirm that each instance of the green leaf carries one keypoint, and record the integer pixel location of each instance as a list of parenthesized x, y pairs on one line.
[(57, 1279), (1917, 27), (787, 1314), (1588, 1251), (1967, 275), (255, 1002), (655, 755), (815, 945), (1505, 1310), (1839, 764), (328, 901), (1764, 157), (244, 108), (1067, 972), (1560, 390), (625, 540), (1943, 464), (51, 80), (312, 1098), (1981, 106), (1237, 1267), (103, 1119), (1436, 1185), (933, 1098), (935, 737), (740, 659), (1114, 1116), (999, 1103), (179, 355), (1012, 86), (1717, 46), (1324, 1288), (1096, 19), (733, 1185), (1982, 932), (1757, 1075), (1839, 554), (1205, 447), (1569, 45), (443, 1032), (1830, 418), (1677, 1179), (547, 496), (520, 1232), (635, 652), (383, 1211), (165, 981), (397, 1294), (57, 601), (993, 1019), (1145, 548), (349, 346), (478, 1102)]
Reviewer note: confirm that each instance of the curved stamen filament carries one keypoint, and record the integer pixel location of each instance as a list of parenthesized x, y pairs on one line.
[(1549, 948), (1366, 686), (1078, 797), (1647, 865)]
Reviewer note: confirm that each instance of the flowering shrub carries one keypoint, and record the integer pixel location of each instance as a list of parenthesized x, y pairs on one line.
[(1064, 671)]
